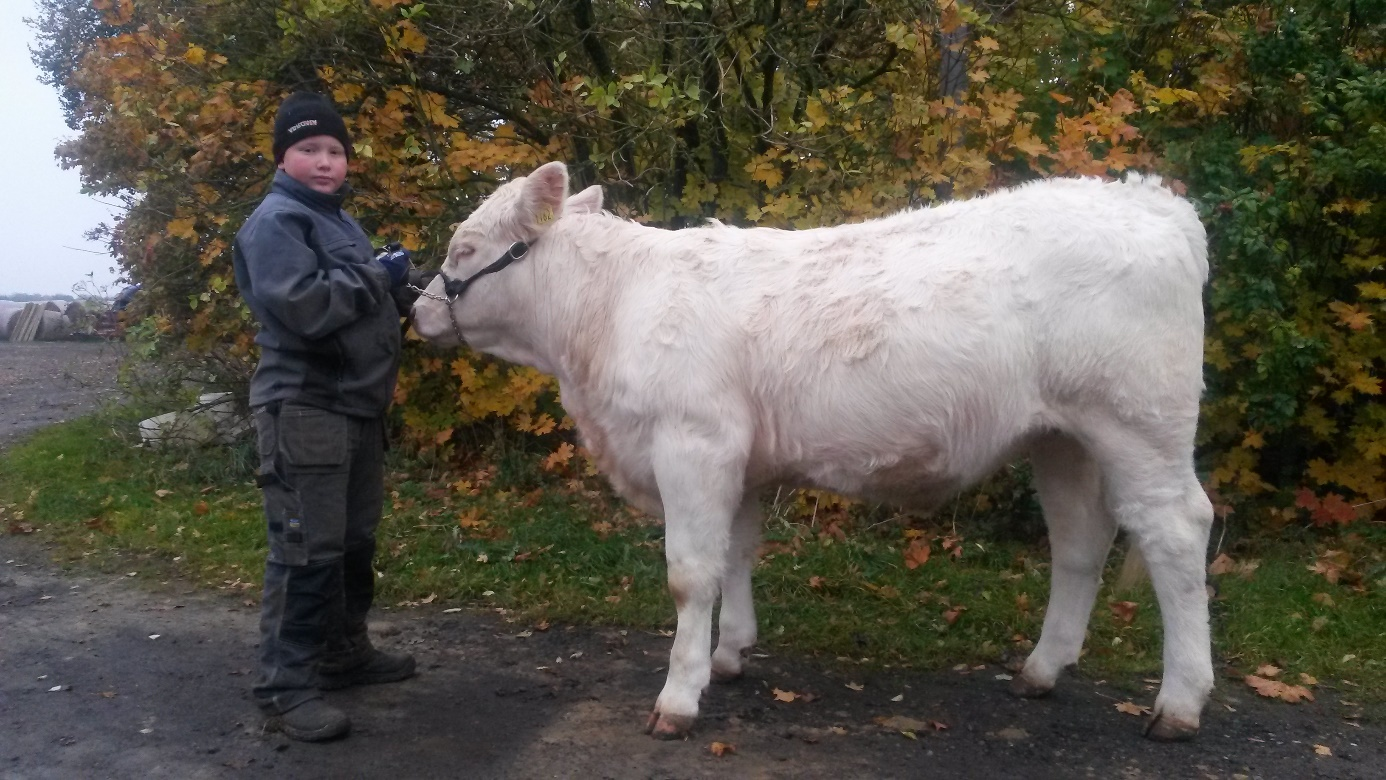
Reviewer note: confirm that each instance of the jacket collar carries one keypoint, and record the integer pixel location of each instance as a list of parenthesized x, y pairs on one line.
[(293, 188)]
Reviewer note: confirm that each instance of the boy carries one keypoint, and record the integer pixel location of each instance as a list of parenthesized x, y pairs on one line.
[(329, 353)]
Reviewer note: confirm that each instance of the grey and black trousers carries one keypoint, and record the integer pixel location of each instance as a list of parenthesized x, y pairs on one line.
[(322, 475)]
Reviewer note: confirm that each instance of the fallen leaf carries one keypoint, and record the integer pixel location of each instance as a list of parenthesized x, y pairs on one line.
[(1132, 708), (815, 582), (952, 615), (856, 686), (784, 696), (838, 730), (917, 554), (1324, 599), (1223, 564), (1323, 750), (898, 698), (1268, 670), (201, 508), (900, 723), (107, 694), (155, 636), (1125, 611), (1273, 689), (938, 725), (1308, 679), (162, 493), (720, 749)]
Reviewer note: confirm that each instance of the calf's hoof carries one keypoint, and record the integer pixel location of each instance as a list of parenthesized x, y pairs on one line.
[(668, 726), (1023, 687), (1167, 729)]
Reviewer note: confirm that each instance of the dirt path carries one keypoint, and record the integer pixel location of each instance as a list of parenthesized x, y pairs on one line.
[(151, 681), (43, 382)]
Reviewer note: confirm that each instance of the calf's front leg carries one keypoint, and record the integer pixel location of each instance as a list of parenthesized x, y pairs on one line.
[(700, 488)]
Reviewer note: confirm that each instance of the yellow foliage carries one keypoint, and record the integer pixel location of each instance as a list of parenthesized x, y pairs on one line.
[(185, 228)]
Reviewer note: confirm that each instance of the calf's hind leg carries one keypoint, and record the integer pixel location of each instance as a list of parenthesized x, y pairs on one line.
[(736, 628), (1156, 498), (1081, 530)]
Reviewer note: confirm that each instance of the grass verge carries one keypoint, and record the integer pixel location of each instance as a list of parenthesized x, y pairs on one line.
[(537, 547)]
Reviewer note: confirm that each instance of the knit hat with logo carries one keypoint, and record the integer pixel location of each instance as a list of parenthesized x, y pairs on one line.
[(304, 115)]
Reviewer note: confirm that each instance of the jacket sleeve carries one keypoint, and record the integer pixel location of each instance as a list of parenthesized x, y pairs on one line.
[(309, 301)]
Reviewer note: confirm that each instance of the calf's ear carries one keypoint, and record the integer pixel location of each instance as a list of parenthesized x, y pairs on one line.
[(544, 192), (589, 201)]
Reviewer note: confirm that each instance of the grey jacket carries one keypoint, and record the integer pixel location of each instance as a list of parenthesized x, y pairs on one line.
[(329, 330)]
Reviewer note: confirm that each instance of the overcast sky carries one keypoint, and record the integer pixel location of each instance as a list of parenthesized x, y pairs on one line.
[(43, 212)]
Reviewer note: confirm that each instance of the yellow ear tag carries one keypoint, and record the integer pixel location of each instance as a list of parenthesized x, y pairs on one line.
[(545, 216)]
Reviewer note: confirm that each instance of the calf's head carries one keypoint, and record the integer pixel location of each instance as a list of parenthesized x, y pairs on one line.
[(495, 306)]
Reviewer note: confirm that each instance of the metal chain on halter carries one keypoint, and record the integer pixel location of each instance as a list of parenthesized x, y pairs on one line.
[(454, 289)]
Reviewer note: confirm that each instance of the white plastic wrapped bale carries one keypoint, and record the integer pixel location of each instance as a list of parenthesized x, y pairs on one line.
[(212, 420), (9, 312), (54, 325)]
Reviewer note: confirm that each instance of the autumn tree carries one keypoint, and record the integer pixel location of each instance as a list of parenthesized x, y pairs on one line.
[(789, 114)]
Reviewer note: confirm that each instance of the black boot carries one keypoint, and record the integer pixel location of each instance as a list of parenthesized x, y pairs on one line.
[(298, 606), (312, 721), (351, 659), (370, 667)]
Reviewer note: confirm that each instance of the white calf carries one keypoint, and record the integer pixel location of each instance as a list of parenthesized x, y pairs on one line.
[(899, 359)]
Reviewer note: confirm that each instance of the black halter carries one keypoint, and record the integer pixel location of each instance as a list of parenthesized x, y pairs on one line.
[(454, 289)]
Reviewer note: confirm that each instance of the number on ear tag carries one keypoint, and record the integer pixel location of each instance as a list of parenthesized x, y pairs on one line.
[(545, 215)]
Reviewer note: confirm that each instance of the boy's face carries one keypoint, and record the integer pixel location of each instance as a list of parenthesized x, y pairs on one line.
[(320, 162)]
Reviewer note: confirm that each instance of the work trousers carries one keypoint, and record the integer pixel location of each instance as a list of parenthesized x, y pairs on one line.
[(322, 475)]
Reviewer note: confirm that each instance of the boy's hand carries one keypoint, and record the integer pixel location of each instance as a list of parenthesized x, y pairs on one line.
[(395, 259)]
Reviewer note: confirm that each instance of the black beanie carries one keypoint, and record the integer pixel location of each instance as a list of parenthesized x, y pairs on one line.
[(304, 115)]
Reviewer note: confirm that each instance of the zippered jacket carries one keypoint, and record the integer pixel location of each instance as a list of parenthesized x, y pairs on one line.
[(329, 329)]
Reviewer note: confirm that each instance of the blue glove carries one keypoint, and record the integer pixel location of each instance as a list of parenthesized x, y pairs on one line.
[(395, 259)]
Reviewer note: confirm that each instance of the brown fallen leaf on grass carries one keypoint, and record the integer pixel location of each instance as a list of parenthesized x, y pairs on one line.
[(1308, 679), (784, 696), (1335, 565), (1132, 708), (1224, 564), (162, 493), (1268, 670), (815, 581), (1323, 750), (917, 554), (1274, 689), (1324, 599), (1125, 611), (952, 615), (720, 749)]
